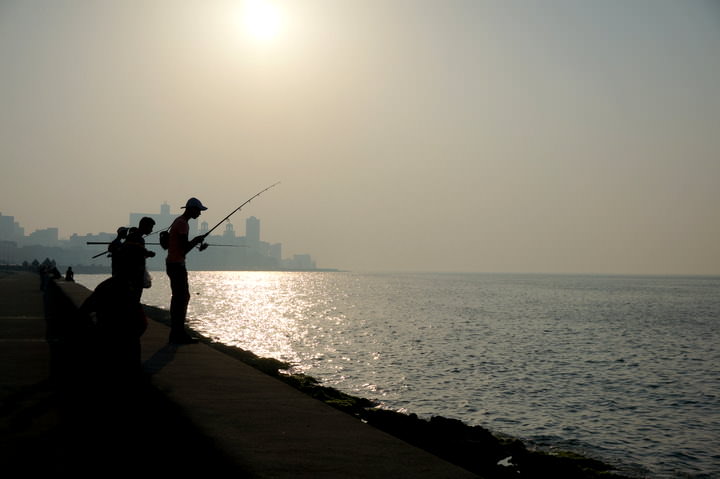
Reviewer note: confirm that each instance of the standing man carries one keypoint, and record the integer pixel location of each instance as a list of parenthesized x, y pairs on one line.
[(133, 256), (179, 245), (115, 245)]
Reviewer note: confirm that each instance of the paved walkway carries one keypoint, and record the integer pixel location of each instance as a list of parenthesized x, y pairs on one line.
[(203, 411)]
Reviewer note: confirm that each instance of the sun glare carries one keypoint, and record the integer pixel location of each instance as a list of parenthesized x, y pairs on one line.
[(262, 19)]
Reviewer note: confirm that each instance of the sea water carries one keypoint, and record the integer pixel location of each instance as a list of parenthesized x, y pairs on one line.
[(625, 369)]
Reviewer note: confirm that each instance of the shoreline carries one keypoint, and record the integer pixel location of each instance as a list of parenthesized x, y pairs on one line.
[(477, 449)]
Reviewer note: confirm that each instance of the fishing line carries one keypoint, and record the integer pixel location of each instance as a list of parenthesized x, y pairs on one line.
[(239, 207)]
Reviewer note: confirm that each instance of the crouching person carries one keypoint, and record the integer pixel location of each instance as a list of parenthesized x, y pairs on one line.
[(118, 323)]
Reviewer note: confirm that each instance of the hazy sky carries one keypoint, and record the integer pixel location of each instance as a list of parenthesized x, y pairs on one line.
[(419, 135)]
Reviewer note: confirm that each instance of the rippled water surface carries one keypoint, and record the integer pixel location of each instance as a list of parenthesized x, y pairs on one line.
[(626, 369)]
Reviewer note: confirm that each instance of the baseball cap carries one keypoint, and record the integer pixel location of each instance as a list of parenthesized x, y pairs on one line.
[(194, 203)]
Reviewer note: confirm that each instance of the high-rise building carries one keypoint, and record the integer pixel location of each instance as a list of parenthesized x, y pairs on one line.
[(252, 230), (10, 230)]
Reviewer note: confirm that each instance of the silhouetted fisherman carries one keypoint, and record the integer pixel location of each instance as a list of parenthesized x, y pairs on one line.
[(179, 245), (130, 257), (114, 246), (118, 322), (69, 275), (119, 319)]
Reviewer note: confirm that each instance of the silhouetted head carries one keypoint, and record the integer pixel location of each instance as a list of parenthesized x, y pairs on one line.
[(146, 225), (193, 207)]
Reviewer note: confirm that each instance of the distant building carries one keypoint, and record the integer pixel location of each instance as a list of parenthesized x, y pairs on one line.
[(46, 237), (8, 252), (10, 230), (163, 220), (229, 234), (300, 261), (276, 252), (252, 230), (77, 241)]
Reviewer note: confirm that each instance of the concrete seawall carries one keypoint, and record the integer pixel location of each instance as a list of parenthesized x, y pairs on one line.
[(200, 410)]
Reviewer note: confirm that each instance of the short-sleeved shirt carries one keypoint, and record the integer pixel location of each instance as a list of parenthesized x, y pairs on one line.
[(176, 248)]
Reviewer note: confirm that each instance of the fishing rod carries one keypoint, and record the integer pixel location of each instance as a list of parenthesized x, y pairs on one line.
[(202, 245), (205, 235), (208, 244), (158, 244), (238, 209)]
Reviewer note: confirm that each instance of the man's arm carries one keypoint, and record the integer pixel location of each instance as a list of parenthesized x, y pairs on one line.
[(189, 245)]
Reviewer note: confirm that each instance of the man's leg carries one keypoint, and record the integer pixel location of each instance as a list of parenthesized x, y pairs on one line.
[(179, 300)]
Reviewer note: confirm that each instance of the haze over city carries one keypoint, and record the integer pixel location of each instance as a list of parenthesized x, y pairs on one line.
[(461, 135)]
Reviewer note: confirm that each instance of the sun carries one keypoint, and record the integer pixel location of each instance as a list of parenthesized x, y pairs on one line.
[(262, 20)]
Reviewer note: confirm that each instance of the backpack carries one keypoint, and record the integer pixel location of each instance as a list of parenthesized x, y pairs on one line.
[(164, 239)]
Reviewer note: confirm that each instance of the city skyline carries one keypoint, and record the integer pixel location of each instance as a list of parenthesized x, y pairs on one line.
[(249, 252)]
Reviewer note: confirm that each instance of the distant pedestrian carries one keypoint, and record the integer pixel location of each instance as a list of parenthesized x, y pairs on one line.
[(69, 274), (178, 246), (55, 273)]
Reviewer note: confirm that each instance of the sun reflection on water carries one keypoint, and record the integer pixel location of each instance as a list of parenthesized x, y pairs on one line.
[(264, 312)]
